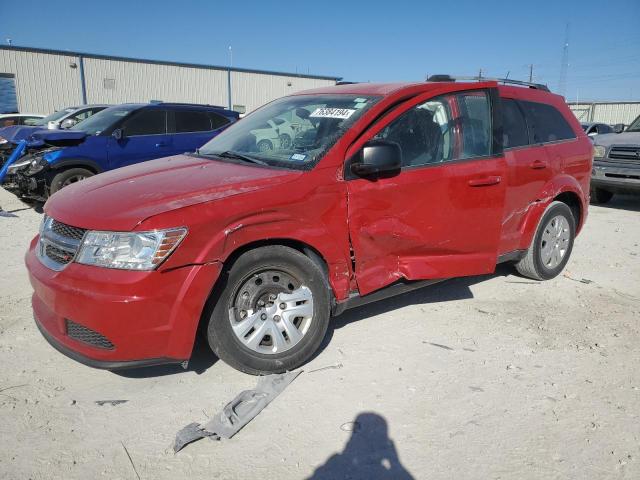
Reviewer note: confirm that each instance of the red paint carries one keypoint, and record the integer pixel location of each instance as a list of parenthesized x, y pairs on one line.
[(450, 219)]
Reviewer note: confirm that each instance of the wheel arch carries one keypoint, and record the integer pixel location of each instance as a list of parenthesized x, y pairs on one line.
[(565, 189), (66, 164)]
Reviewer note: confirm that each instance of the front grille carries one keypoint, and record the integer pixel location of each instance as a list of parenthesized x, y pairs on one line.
[(86, 335), (630, 155), (59, 243), (67, 230), (58, 255)]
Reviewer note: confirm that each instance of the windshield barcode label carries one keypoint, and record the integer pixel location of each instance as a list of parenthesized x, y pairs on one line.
[(342, 113)]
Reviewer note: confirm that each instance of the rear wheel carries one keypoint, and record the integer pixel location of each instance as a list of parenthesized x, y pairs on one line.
[(272, 312), (67, 177), (598, 195), (265, 146), (552, 244)]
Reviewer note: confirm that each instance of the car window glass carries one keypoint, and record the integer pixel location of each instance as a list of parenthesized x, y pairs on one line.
[(146, 122), (30, 121), (513, 124), (432, 133), (8, 121), (547, 123), (218, 121), (192, 121)]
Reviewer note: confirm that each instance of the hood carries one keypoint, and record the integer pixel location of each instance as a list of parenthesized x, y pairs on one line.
[(624, 138), (123, 198), (41, 136)]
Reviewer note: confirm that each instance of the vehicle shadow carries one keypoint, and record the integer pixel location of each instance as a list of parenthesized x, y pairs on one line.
[(623, 202), (370, 454), (201, 360)]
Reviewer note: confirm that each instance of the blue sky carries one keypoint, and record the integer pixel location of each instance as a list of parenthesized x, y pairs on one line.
[(358, 40)]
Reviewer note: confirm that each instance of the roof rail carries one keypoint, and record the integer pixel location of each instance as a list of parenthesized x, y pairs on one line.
[(185, 104), (508, 81)]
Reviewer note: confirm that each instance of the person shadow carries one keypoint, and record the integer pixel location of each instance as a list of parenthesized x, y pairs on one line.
[(370, 454)]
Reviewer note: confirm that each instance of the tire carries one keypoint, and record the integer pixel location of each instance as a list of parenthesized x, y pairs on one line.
[(67, 177), (598, 195), (537, 264), (265, 146), (285, 141), (244, 333)]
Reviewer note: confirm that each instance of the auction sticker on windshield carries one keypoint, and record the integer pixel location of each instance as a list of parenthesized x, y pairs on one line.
[(324, 112)]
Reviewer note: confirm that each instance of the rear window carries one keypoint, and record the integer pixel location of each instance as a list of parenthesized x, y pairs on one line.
[(513, 124), (546, 123), (192, 121)]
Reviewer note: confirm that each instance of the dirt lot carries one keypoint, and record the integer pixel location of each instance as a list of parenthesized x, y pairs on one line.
[(478, 378)]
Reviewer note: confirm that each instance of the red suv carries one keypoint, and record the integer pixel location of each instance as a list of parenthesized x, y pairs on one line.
[(383, 188)]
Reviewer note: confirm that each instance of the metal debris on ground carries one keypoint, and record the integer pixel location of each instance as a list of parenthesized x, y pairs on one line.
[(581, 280), (328, 367), (113, 403), (238, 412)]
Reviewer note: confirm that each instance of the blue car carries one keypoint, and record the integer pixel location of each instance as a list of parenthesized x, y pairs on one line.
[(49, 160)]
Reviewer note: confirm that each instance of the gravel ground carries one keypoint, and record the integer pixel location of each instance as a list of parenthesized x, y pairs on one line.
[(477, 378)]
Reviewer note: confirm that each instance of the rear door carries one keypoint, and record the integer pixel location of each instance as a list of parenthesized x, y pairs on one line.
[(441, 215), (528, 170), (190, 128), (144, 138)]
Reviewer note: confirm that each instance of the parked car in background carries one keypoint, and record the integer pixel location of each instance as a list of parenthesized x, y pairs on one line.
[(276, 133), (616, 163), (592, 129), (29, 119), (113, 138), (68, 117), (400, 186)]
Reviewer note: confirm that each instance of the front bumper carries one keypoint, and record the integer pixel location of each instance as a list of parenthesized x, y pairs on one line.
[(615, 177), (148, 317)]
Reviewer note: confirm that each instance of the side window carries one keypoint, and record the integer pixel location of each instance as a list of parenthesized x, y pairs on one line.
[(218, 121), (8, 121), (547, 123), (31, 121), (513, 124), (450, 127), (146, 122), (192, 121)]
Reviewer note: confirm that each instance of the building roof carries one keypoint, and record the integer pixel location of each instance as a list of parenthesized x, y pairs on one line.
[(163, 62)]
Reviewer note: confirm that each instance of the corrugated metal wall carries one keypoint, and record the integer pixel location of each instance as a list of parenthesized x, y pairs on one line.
[(46, 81), (606, 112)]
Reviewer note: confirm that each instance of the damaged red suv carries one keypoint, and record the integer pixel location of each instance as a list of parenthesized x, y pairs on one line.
[(374, 189)]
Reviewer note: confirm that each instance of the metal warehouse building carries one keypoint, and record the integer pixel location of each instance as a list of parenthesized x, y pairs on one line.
[(606, 112), (41, 81)]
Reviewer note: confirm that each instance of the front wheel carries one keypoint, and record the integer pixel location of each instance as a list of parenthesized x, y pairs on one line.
[(272, 311), (67, 177), (552, 244)]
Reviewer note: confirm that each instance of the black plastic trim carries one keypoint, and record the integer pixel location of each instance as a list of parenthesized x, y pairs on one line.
[(101, 364)]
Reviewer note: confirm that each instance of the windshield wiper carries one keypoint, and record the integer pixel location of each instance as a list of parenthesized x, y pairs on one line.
[(240, 156)]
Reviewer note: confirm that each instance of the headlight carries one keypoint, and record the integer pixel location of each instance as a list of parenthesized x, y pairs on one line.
[(19, 165), (599, 151), (3, 140), (129, 250)]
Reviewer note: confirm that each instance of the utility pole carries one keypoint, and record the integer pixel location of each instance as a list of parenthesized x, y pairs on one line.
[(229, 77), (480, 73), (562, 81), (531, 73)]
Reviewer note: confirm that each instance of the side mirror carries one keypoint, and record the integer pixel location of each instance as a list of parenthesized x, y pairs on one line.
[(376, 157), (68, 123), (618, 128), (118, 134)]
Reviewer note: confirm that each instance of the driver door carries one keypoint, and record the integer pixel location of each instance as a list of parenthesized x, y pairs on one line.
[(440, 217)]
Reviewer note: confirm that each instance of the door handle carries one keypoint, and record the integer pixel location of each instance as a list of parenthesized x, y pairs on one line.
[(161, 144), (538, 165), (485, 182)]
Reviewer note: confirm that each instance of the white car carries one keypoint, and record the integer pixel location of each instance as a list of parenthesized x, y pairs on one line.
[(10, 119), (277, 133)]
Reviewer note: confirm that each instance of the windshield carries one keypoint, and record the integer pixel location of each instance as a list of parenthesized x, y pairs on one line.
[(291, 132), (635, 126), (99, 122), (54, 116)]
